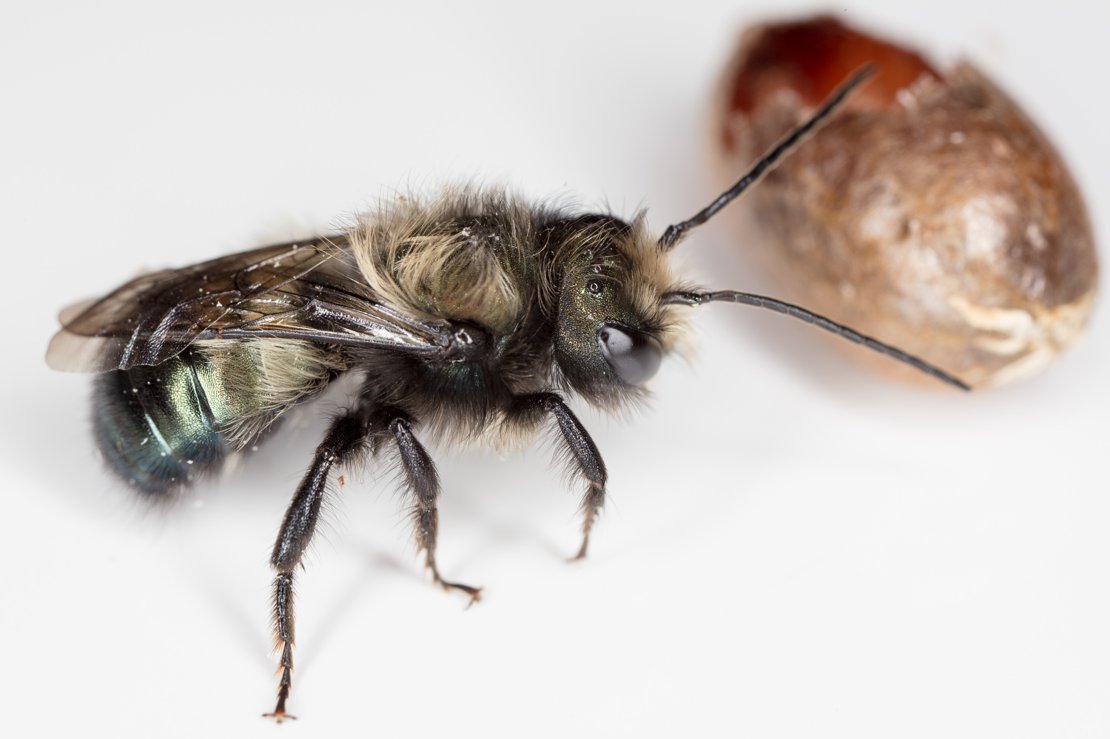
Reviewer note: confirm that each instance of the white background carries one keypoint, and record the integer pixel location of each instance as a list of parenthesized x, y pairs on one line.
[(793, 548)]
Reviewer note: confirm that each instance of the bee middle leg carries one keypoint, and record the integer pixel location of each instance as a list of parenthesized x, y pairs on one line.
[(423, 485), (581, 449)]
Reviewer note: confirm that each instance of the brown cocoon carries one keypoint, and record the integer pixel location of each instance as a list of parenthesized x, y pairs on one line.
[(930, 212)]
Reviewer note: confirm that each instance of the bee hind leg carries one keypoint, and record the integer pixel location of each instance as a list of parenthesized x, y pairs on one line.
[(345, 439), (422, 483)]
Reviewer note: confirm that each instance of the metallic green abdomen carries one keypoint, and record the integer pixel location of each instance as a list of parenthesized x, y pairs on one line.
[(155, 426)]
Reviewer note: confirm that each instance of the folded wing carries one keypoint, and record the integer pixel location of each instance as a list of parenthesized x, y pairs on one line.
[(308, 290)]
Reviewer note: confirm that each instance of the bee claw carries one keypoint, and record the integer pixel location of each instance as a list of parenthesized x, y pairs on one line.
[(474, 594), (581, 553)]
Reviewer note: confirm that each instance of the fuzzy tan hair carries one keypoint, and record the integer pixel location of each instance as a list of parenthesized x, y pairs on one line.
[(424, 258), (249, 383), (650, 276)]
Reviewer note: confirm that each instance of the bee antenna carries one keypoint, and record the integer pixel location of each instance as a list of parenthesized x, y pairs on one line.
[(794, 311), (767, 162)]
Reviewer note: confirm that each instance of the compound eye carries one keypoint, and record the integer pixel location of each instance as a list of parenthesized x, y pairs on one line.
[(632, 354)]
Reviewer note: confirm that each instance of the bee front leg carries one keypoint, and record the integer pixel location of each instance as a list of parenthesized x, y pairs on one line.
[(345, 439), (423, 485), (581, 450)]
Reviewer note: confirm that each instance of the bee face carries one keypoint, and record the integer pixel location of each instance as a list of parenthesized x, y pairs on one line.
[(612, 328)]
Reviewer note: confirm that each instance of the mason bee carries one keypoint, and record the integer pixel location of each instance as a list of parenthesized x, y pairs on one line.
[(469, 315)]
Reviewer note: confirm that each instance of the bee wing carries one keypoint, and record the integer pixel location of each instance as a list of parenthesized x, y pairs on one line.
[(311, 291)]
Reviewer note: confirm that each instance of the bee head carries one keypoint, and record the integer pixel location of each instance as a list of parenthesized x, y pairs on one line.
[(612, 327)]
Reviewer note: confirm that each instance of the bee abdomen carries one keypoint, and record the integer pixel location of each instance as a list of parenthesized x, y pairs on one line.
[(154, 425)]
